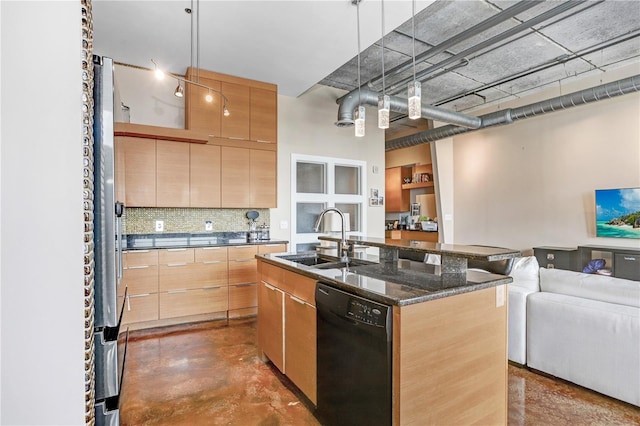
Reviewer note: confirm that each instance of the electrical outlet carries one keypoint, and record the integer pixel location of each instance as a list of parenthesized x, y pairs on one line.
[(284, 224), (159, 225), (208, 226)]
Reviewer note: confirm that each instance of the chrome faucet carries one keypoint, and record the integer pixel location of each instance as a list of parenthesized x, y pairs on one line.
[(344, 248)]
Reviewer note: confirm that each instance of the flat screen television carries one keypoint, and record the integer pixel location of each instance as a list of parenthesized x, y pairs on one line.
[(618, 213)]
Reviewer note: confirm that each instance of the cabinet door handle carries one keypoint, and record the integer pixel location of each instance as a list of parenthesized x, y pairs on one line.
[(138, 267), (236, 138), (270, 287), (176, 291), (138, 295), (295, 299), (211, 248), (262, 141), (215, 287), (243, 260), (243, 285), (171, 265), (137, 251), (177, 249), (211, 262)]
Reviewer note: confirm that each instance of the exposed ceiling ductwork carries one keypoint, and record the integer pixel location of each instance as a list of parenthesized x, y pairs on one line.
[(507, 116), (369, 97), (471, 54)]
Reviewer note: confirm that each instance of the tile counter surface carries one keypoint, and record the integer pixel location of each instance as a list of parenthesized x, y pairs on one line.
[(412, 282), (182, 240)]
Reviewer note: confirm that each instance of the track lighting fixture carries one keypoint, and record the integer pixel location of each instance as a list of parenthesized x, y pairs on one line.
[(208, 97), (179, 92)]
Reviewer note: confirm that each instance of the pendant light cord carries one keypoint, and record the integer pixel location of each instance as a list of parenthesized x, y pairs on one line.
[(413, 32), (383, 85), (198, 42), (358, 18)]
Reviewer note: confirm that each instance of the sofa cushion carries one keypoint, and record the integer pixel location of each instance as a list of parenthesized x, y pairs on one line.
[(591, 286), (525, 273)]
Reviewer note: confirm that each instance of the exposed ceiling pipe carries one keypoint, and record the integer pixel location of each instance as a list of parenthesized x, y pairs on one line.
[(369, 97), (582, 97)]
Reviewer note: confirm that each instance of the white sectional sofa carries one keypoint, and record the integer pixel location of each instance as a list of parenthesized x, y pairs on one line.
[(583, 328)]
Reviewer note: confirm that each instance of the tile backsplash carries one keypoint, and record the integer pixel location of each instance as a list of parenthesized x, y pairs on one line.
[(141, 220)]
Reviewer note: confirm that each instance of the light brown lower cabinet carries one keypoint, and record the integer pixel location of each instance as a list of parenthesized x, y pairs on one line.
[(300, 344), (139, 308), (287, 325), (242, 296), (178, 303)]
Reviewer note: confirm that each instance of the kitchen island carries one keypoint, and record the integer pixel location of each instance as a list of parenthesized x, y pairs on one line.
[(449, 326)]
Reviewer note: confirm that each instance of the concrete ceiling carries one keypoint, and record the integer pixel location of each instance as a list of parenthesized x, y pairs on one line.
[(297, 44)]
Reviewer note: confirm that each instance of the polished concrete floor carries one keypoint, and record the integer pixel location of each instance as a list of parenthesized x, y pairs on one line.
[(209, 374)]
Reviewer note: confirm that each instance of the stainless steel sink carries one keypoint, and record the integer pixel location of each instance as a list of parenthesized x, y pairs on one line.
[(322, 262), (307, 259)]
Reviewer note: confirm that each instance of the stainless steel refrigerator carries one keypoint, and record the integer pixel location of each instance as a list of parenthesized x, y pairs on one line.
[(110, 343)]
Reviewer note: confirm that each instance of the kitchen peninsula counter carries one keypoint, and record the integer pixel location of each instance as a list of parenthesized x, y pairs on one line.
[(449, 326)]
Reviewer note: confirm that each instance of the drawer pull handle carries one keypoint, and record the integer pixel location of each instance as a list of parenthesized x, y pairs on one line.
[(295, 299), (244, 260), (211, 248), (171, 265), (236, 138), (211, 262), (137, 251), (271, 245), (270, 287), (215, 287), (178, 249), (176, 291), (243, 285), (138, 295), (262, 141), (138, 267)]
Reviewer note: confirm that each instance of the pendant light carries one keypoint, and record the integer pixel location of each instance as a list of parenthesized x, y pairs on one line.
[(414, 88), (179, 92), (384, 101), (359, 116)]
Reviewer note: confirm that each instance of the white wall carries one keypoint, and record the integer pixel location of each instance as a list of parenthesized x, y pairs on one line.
[(42, 331), (532, 183), (305, 126)]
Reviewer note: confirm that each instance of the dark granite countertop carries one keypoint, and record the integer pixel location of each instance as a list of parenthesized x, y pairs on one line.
[(182, 240), (411, 282)]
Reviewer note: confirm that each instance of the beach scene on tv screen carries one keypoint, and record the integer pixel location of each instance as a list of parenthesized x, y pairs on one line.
[(618, 213)]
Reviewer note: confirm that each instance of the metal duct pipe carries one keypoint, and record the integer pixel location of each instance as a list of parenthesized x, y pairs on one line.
[(582, 97), (369, 97)]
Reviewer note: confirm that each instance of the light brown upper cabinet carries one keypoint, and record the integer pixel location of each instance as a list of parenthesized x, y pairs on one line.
[(172, 174), (252, 105), (236, 125), (201, 115), (264, 117), (248, 178), (397, 199), (139, 171), (205, 175)]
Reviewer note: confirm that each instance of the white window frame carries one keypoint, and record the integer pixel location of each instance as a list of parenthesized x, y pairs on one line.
[(329, 198)]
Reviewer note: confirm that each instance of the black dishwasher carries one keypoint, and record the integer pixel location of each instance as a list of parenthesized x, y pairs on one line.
[(354, 359)]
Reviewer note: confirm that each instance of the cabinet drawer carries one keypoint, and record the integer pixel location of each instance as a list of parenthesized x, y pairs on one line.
[(139, 280), (193, 302), (141, 307), (272, 274), (301, 287), (272, 248), (243, 271), (243, 296), (209, 274), (209, 254), (177, 276), (627, 266), (243, 252), (172, 256), (139, 258)]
